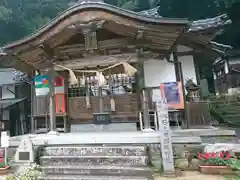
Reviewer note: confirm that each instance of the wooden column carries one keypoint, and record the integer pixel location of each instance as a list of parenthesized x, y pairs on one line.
[(179, 77), (65, 75), (32, 105), (143, 91), (52, 101)]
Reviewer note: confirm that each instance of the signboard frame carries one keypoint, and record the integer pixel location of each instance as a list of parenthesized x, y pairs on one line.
[(178, 102)]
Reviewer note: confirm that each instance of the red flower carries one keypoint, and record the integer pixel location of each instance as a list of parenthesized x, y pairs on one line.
[(225, 155)]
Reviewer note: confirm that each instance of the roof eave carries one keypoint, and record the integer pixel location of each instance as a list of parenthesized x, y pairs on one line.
[(101, 6)]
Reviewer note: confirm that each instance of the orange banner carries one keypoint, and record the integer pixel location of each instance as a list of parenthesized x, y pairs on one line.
[(173, 93), (60, 103)]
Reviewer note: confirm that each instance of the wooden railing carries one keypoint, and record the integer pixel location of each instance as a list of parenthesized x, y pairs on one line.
[(126, 108)]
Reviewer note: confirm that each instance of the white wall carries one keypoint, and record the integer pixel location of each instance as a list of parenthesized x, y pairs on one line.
[(6, 76), (188, 68), (160, 71)]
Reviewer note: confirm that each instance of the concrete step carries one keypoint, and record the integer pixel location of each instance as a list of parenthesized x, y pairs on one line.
[(68, 177), (94, 160), (95, 151), (112, 127), (98, 170)]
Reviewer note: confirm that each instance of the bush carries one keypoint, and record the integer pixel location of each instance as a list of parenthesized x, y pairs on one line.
[(30, 173)]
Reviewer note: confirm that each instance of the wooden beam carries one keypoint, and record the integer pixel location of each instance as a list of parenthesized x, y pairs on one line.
[(186, 53), (111, 45)]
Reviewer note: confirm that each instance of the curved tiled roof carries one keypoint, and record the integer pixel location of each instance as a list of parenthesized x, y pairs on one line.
[(102, 6), (197, 25), (148, 16)]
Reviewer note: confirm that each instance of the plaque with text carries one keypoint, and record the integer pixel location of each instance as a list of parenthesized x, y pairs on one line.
[(101, 118), (24, 156)]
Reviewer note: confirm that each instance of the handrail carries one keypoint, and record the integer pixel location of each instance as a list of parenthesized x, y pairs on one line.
[(155, 120)]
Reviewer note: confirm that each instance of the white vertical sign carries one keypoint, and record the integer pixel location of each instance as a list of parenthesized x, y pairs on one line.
[(166, 139)]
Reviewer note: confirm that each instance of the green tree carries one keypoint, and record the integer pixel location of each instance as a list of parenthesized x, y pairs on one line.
[(194, 10), (19, 18)]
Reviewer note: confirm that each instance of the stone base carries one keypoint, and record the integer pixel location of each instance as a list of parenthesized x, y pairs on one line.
[(113, 127), (119, 137), (94, 160)]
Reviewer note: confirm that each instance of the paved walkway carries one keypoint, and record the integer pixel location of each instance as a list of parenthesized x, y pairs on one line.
[(187, 176), (194, 176)]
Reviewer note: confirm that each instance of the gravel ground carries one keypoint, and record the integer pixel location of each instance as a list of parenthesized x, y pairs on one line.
[(193, 176)]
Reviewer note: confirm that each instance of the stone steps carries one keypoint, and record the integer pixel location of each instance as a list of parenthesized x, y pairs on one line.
[(113, 162), (95, 151), (98, 170), (94, 160), (54, 177), (230, 113)]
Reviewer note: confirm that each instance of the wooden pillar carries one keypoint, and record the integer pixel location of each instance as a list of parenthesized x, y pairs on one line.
[(215, 80), (179, 77), (196, 69), (52, 102), (65, 118), (143, 92), (32, 105)]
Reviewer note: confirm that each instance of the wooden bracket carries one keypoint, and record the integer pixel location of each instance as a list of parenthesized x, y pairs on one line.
[(89, 31)]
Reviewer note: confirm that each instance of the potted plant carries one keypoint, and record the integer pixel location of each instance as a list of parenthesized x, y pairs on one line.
[(210, 163), (3, 167)]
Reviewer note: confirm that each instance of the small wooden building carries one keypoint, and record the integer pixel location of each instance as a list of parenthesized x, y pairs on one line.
[(14, 103), (96, 37), (226, 72)]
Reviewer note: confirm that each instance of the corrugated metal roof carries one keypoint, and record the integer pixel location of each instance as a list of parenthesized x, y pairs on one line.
[(5, 103)]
